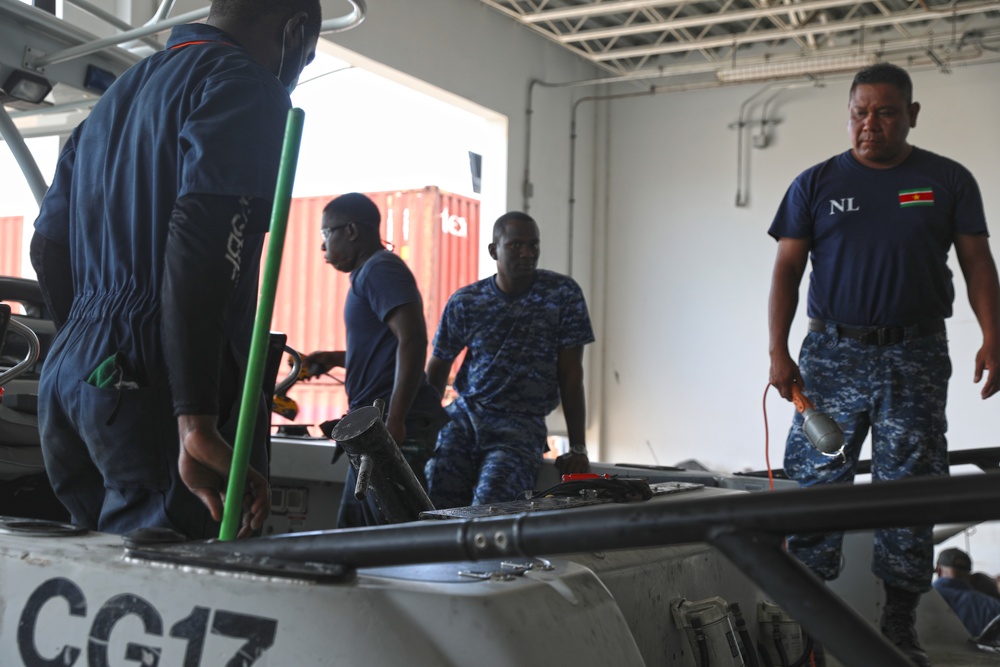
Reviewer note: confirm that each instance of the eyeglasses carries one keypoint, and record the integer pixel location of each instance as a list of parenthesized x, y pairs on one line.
[(327, 232)]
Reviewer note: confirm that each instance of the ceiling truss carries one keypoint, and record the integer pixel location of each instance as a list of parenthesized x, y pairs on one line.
[(705, 40)]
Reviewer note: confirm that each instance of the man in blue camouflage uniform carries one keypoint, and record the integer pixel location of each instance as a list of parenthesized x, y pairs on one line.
[(524, 330), (878, 222)]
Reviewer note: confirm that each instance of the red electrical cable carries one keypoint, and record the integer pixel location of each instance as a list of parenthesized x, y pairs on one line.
[(770, 479), (767, 441)]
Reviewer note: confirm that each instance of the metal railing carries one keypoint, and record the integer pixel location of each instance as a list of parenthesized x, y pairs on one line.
[(337, 24)]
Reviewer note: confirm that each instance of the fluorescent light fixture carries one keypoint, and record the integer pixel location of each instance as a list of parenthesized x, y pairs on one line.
[(800, 67)]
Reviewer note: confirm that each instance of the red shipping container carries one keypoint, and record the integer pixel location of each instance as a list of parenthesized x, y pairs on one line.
[(11, 229), (435, 232)]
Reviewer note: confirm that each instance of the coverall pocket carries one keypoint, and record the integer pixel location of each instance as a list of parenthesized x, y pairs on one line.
[(128, 437)]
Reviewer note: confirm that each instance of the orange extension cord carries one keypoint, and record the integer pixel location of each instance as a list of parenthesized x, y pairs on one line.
[(767, 441), (770, 475)]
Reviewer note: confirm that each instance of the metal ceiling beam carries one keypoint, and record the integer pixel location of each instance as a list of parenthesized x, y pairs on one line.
[(709, 33), (605, 8), (703, 19), (597, 9), (895, 47), (773, 35)]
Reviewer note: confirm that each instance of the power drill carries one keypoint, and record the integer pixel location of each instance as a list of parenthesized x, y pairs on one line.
[(281, 403), (822, 431)]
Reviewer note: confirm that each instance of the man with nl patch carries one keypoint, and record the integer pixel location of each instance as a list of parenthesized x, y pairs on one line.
[(877, 222)]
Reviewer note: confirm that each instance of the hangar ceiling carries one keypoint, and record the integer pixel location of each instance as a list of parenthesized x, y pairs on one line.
[(720, 41)]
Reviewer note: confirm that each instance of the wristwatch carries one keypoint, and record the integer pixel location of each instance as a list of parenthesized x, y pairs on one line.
[(578, 449)]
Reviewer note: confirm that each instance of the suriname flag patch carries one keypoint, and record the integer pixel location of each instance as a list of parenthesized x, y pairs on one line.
[(921, 197)]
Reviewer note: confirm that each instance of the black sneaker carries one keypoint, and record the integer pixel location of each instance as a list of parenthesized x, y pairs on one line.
[(899, 618)]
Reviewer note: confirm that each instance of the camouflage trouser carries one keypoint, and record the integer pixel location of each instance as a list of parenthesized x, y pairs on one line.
[(899, 392), (484, 457)]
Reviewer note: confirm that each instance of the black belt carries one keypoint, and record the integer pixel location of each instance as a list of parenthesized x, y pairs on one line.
[(880, 335)]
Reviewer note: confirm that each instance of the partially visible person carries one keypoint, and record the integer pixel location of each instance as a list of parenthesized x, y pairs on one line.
[(975, 607), (524, 330), (877, 223), (386, 343), (147, 249), (959, 566)]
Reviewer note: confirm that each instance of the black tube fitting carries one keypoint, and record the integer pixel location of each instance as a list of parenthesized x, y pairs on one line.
[(382, 470)]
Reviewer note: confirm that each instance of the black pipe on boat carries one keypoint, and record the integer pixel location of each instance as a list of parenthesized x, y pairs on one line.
[(916, 501), (805, 598), (382, 470)]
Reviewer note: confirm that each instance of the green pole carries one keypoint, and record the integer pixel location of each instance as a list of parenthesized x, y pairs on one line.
[(262, 327)]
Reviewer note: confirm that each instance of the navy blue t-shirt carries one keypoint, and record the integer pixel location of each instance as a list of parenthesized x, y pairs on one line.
[(976, 610), (380, 285), (881, 237)]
